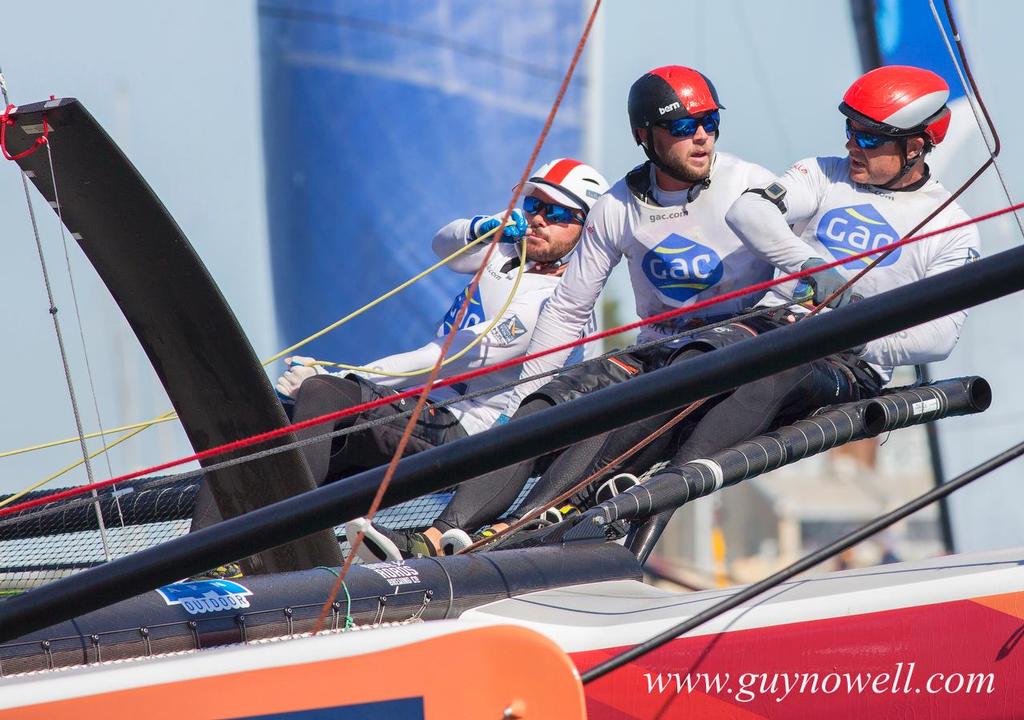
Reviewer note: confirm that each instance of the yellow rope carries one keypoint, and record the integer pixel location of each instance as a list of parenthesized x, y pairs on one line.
[(382, 298), (89, 436), (452, 358), (139, 428), (135, 428)]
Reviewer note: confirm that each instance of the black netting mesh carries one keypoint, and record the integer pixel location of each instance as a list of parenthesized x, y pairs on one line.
[(51, 541)]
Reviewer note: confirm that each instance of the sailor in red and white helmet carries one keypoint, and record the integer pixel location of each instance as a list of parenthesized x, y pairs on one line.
[(556, 201), (880, 191)]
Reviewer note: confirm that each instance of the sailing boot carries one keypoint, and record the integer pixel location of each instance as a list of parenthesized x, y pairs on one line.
[(455, 540), (382, 544)]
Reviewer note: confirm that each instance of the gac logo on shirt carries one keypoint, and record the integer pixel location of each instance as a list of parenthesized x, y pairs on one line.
[(474, 313), (681, 268), (851, 230)]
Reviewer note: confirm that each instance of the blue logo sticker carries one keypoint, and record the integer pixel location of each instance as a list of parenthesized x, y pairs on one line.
[(474, 313), (203, 596), (681, 268), (508, 330), (851, 230)]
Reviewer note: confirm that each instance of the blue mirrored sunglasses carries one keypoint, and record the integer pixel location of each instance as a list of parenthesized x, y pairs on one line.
[(552, 212), (866, 140), (687, 127)]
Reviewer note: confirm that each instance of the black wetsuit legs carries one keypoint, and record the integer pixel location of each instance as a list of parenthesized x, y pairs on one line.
[(482, 500), (331, 459), (753, 408), (587, 457), (320, 395)]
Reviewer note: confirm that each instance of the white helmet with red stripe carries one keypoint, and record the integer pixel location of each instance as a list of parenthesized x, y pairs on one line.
[(899, 101), (569, 182)]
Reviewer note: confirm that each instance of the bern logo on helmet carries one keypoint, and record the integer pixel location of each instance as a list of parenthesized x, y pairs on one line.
[(681, 268), (851, 230), (669, 108)]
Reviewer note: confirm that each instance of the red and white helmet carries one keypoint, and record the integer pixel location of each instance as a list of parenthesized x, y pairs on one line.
[(569, 182), (900, 101)]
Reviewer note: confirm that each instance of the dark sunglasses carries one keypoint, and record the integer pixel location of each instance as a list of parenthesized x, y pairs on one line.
[(866, 140), (687, 127), (551, 211)]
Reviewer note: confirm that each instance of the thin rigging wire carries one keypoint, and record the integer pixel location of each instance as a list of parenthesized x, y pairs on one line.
[(56, 320), (469, 375), (884, 521), (803, 564), (81, 326), (297, 444), (63, 354), (972, 100)]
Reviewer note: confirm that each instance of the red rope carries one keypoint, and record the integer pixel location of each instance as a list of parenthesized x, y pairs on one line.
[(5, 121), (472, 374)]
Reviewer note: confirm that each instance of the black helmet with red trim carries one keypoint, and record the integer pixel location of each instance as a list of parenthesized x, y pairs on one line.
[(899, 101), (665, 94), (669, 93)]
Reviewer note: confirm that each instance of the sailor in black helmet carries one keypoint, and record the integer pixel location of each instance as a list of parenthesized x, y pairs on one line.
[(556, 200), (666, 217)]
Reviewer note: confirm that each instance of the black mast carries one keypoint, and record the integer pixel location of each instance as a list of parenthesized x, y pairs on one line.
[(182, 321)]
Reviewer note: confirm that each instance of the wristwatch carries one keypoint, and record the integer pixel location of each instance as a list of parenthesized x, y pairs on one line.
[(773, 193)]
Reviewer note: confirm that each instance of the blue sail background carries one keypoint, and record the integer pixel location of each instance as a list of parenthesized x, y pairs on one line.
[(382, 122), (907, 35)]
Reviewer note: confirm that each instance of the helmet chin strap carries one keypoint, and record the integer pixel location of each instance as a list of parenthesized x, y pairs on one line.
[(908, 165)]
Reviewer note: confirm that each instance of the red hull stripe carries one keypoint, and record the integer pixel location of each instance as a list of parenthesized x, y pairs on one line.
[(892, 663)]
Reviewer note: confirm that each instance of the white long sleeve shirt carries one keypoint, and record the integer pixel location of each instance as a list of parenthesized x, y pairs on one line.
[(679, 250), (829, 216), (508, 339)]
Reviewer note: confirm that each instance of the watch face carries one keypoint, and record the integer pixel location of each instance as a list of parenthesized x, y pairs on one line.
[(775, 191)]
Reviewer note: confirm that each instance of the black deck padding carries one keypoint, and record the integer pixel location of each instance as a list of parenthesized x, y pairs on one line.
[(431, 588), (182, 321)]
